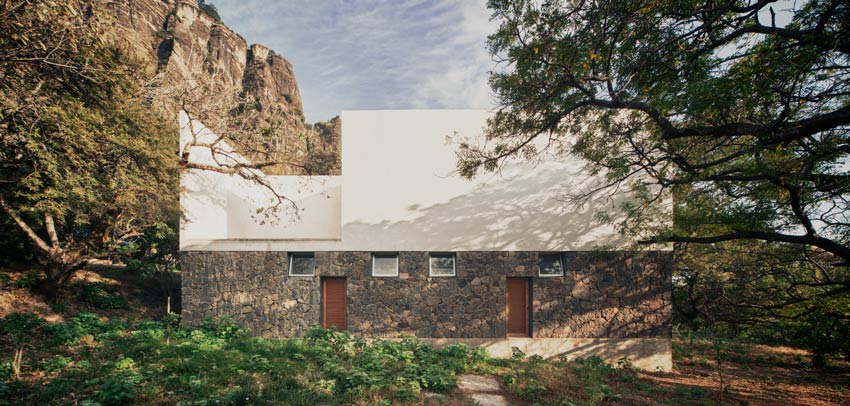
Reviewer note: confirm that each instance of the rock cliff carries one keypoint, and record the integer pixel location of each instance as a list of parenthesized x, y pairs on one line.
[(247, 92)]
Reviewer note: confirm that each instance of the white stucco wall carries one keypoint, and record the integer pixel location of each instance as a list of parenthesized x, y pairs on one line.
[(398, 192), (223, 207)]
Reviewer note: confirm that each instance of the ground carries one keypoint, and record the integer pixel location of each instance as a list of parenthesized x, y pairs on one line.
[(141, 296), (751, 374)]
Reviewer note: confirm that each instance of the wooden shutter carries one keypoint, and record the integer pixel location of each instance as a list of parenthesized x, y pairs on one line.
[(333, 303), (516, 307)]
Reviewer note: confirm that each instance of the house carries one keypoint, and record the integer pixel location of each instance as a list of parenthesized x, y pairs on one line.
[(398, 244)]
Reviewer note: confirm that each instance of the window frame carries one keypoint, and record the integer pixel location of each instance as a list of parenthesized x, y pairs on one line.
[(431, 268), (561, 261), (292, 255), (395, 254)]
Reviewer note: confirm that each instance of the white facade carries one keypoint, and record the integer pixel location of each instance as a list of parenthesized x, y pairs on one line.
[(398, 192)]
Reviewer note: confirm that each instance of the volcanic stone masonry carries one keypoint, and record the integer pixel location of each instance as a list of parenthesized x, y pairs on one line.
[(602, 294)]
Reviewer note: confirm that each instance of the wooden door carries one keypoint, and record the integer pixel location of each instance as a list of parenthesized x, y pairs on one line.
[(333, 303), (516, 307)]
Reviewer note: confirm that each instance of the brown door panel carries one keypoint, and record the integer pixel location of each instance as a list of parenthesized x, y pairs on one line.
[(516, 307), (334, 303)]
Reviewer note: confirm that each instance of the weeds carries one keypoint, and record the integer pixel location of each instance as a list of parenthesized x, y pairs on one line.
[(93, 361), (96, 295)]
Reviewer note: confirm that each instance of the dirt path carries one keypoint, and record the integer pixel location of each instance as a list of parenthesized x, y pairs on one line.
[(753, 375)]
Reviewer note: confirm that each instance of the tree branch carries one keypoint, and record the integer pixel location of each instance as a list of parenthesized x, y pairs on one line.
[(830, 246), (26, 228), (51, 230)]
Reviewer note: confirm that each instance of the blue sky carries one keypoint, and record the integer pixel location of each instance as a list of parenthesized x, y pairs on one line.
[(374, 54)]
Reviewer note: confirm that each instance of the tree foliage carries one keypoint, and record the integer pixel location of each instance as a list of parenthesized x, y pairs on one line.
[(770, 292), (86, 165), (719, 103), (209, 9)]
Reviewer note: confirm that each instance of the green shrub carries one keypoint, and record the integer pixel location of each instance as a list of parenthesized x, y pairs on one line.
[(85, 324), (517, 354), (96, 295), (58, 388), (690, 392), (531, 390), (209, 9), (117, 389), (55, 364), (6, 371), (219, 361), (438, 379), (225, 329), (21, 327), (407, 391)]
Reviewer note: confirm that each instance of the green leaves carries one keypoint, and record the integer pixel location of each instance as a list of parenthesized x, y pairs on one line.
[(21, 325), (76, 141), (690, 96)]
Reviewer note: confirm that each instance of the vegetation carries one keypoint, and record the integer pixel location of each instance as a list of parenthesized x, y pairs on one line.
[(117, 362), (743, 119), (760, 291), (89, 360), (98, 354), (87, 167), (209, 9), (737, 110)]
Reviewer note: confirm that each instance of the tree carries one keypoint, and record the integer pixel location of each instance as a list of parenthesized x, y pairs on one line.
[(89, 152), (716, 102), (777, 293), (209, 9), (85, 165), (21, 327)]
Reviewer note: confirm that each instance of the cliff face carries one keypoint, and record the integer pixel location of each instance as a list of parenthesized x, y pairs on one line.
[(247, 92)]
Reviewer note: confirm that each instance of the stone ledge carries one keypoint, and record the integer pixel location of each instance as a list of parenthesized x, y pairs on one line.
[(649, 354)]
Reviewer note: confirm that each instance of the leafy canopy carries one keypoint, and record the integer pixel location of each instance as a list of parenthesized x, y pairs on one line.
[(743, 118), (83, 160)]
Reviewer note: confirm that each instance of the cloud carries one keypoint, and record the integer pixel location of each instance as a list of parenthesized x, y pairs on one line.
[(375, 54)]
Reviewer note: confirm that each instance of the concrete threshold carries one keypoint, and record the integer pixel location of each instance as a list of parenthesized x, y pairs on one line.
[(652, 354)]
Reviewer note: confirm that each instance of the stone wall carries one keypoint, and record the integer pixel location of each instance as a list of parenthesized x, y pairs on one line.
[(606, 294), (603, 294)]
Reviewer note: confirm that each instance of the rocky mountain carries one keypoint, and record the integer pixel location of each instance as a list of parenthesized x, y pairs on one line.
[(247, 92)]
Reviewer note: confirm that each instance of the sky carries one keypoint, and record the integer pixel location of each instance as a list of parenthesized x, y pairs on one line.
[(374, 54)]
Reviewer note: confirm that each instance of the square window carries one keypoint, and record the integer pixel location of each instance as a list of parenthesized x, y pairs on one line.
[(442, 265), (302, 264), (551, 265), (384, 265)]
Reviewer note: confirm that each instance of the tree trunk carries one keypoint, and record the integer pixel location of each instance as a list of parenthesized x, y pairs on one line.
[(818, 358), (18, 361), (59, 271), (61, 262)]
